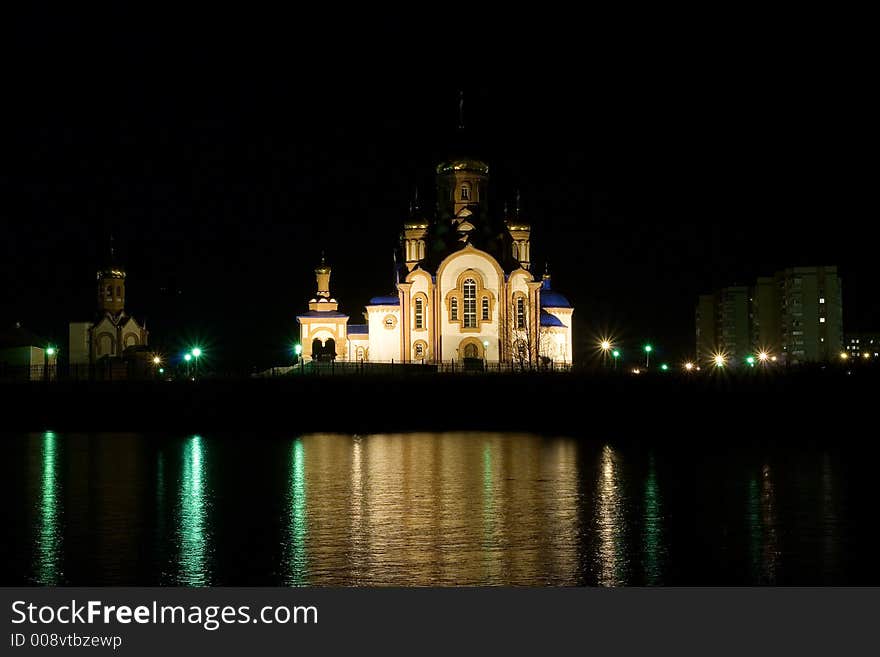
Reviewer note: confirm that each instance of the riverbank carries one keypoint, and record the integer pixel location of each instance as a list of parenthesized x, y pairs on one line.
[(767, 404)]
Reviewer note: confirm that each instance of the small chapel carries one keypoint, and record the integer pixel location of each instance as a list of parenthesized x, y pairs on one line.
[(113, 331), (465, 291)]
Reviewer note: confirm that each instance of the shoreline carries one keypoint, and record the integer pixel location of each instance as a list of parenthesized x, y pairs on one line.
[(771, 405)]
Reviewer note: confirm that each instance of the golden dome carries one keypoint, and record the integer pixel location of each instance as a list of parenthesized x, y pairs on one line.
[(464, 164)]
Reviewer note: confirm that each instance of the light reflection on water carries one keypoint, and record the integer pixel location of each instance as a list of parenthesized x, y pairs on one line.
[(411, 509), (193, 537), (49, 552)]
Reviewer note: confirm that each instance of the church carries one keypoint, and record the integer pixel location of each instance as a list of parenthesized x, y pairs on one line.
[(113, 334), (465, 291)]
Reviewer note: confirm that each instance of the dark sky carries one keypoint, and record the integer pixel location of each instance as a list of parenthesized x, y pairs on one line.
[(224, 152)]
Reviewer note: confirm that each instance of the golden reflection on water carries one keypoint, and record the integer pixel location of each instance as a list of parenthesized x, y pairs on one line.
[(429, 509), (609, 521)]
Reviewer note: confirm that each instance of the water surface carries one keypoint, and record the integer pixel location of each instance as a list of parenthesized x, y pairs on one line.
[(430, 509)]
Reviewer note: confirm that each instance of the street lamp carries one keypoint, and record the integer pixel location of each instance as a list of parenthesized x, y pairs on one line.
[(648, 350), (719, 360), (196, 352), (750, 361), (50, 351), (688, 366), (297, 349), (763, 356), (616, 356), (605, 346), (485, 353), (664, 367)]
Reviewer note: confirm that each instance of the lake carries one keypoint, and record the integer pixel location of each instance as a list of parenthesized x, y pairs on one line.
[(426, 509)]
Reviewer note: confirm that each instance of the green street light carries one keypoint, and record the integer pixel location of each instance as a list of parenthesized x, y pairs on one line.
[(187, 357), (750, 360), (298, 348), (615, 353), (161, 370), (648, 350), (50, 351), (664, 367), (196, 352)]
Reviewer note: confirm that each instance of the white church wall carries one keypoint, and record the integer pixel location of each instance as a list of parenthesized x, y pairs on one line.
[(384, 341), (562, 347), (451, 334)]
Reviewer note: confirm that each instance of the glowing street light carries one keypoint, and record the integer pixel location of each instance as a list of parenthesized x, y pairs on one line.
[(719, 360), (763, 356), (50, 351), (605, 347), (187, 357), (196, 352), (750, 361), (616, 356), (648, 350), (688, 366), (664, 367), (843, 355), (156, 360)]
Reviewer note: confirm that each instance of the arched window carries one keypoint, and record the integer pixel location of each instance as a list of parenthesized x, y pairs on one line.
[(420, 314), (515, 251), (465, 192), (485, 309), (453, 310), (109, 291), (419, 350), (470, 303), (520, 313), (470, 351)]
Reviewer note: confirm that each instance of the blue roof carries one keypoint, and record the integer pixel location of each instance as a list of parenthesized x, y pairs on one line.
[(317, 313), (551, 299), (358, 329), (549, 320), (384, 301)]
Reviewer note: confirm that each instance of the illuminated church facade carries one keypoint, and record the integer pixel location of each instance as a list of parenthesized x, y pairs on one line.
[(464, 290)]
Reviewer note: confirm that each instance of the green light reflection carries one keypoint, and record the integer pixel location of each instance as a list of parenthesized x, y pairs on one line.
[(193, 537), (297, 558), (653, 529), (48, 555)]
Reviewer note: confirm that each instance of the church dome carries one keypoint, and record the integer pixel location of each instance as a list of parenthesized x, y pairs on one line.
[(463, 164), (387, 300)]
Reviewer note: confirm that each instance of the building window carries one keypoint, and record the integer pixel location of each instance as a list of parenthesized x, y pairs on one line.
[(821, 299), (420, 314), (453, 309), (465, 192), (470, 303), (109, 291), (515, 251), (520, 313), (486, 309), (821, 320), (419, 350)]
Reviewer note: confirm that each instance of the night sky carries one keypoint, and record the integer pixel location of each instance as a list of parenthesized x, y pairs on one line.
[(224, 152)]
